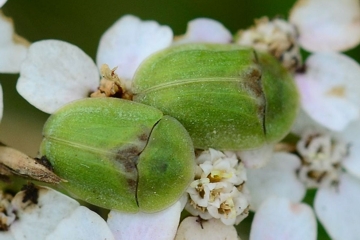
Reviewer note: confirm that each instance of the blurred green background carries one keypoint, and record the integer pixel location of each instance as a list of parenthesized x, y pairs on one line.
[(83, 22)]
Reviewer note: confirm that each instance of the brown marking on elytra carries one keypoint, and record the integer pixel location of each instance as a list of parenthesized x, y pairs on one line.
[(253, 86), (31, 193), (261, 111), (128, 157), (132, 184), (144, 137), (252, 81), (130, 163), (253, 74)]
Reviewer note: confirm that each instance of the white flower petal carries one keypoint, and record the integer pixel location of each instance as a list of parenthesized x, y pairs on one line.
[(129, 41), (256, 158), (82, 224), (55, 216), (338, 208), (2, 2), (161, 225), (277, 178), (278, 218), (183, 200), (327, 25), (55, 73), (44, 216), (305, 123), (204, 30), (352, 161), (213, 229), (12, 51), (5, 235), (329, 89)]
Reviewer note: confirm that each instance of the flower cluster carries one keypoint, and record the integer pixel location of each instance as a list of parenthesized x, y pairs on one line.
[(277, 37), (219, 190), (321, 160), (325, 154)]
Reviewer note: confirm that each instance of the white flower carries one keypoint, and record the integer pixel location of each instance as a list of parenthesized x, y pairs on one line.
[(221, 167), (42, 213), (278, 218), (329, 83), (2, 2), (321, 159), (277, 178), (200, 190), (330, 162), (329, 89), (219, 191), (193, 228), (128, 42), (204, 30), (327, 25), (13, 48), (55, 72), (161, 225), (256, 158), (277, 37)]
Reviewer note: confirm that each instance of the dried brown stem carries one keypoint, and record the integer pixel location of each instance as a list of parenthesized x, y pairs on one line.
[(15, 162)]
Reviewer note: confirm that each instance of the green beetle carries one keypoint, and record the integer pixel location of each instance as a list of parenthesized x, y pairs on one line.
[(119, 154), (228, 97)]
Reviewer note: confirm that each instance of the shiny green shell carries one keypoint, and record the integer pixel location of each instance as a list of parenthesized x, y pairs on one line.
[(119, 154), (227, 97)]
